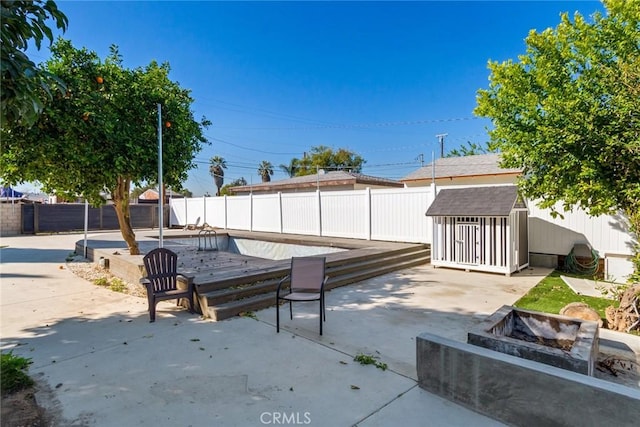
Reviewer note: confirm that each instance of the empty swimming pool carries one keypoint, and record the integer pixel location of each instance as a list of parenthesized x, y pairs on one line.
[(253, 248)]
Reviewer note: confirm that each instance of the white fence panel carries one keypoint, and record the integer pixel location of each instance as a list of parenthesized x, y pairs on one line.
[(186, 211), (548, 235), (266, 213), (391, 215), (344, 214), (178, 214), (399, 215), (239, 212), (300, 213), (215, 211)]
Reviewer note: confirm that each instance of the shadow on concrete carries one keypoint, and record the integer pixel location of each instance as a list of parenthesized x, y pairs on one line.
[(29, 255)]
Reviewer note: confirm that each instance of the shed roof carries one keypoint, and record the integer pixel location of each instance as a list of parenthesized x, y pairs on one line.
[(476, 201), (452, 167)]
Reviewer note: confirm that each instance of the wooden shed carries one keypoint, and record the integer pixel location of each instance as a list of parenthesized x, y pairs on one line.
[(480, 228)]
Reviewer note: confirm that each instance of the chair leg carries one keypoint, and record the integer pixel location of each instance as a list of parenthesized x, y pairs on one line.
[(277, 315), (192, 307), (152, 307), (290, 310), (320, 316), (152, 311)]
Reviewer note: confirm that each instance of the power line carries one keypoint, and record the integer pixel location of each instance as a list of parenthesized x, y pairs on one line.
[(357, 125), (250, 149), (265, 112)]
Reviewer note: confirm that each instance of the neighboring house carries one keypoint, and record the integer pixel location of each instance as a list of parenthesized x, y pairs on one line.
[(327, 181), (481, 169), (150, 196)]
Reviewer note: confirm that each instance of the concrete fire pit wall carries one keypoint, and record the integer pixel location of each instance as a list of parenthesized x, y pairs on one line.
[(520, 392), (493, 333)]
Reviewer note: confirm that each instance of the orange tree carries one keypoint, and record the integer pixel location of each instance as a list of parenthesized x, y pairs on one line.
[(22, 82), (100, 137)]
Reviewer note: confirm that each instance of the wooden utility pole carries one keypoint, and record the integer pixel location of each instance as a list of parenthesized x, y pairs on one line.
[(441, 139)]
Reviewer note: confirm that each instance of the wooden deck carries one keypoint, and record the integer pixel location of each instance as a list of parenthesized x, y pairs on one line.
[(223, 266), (227, 278)]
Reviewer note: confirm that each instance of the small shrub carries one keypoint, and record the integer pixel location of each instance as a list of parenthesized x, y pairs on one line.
[(365, 359), (101, 281), (117, 285), (13, 376)]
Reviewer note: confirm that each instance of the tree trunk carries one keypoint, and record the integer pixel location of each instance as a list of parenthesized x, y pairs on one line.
[(121, 204)]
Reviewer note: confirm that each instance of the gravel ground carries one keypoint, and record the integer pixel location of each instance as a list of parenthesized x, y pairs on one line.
[(97, 275)]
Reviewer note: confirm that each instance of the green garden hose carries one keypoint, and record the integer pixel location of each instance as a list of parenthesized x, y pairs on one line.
[(583, 267)]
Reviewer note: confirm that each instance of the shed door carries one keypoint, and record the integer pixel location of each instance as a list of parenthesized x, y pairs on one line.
[(468, 243)]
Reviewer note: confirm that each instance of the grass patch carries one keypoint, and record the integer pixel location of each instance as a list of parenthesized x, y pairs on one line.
[(552, 294), (14, 377), (249, 314)]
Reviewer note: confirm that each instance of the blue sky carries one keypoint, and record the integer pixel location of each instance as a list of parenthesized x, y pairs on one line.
[(277, 78)]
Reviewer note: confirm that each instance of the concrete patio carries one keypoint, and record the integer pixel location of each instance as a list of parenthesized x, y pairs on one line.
[(98, 361)]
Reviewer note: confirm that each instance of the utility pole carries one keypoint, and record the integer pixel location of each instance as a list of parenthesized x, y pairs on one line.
[(421, 158), (160, 182), (441, 139)]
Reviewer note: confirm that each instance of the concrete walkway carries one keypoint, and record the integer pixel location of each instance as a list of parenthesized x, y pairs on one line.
[(98, 361)]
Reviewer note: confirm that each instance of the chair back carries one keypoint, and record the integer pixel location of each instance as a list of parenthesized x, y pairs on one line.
[(162, 269), (307, 273)]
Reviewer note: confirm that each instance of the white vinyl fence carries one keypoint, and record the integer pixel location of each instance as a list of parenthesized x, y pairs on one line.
[(395, 215)]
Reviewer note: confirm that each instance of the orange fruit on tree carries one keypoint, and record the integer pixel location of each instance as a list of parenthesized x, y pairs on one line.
[(100, 80), (168, 124)]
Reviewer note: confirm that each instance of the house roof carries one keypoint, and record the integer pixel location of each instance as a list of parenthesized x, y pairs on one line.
[(452, 167), (476, 201), (149, 194), (333, 178)]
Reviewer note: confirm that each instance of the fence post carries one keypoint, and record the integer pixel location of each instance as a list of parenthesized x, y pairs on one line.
[(36, 222), (319, 213), (204, 210), (225, 211), (186, 212), (431, 229), (367, 220), (280, 210), (250, 211)]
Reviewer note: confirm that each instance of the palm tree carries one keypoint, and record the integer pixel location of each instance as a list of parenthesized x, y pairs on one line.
[(216, 168), (290, 169), (265, 170)]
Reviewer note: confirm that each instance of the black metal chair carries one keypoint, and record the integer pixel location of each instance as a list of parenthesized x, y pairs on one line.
[(307, 278), (162, 280)]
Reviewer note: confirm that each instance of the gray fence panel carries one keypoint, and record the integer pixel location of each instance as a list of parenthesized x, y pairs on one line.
[(28, 215), (70, 217)]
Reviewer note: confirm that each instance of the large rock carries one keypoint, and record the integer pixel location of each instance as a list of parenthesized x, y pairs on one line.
[(580, 310)]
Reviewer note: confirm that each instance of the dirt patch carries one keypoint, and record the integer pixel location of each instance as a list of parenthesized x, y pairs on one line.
[(20, 409)]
